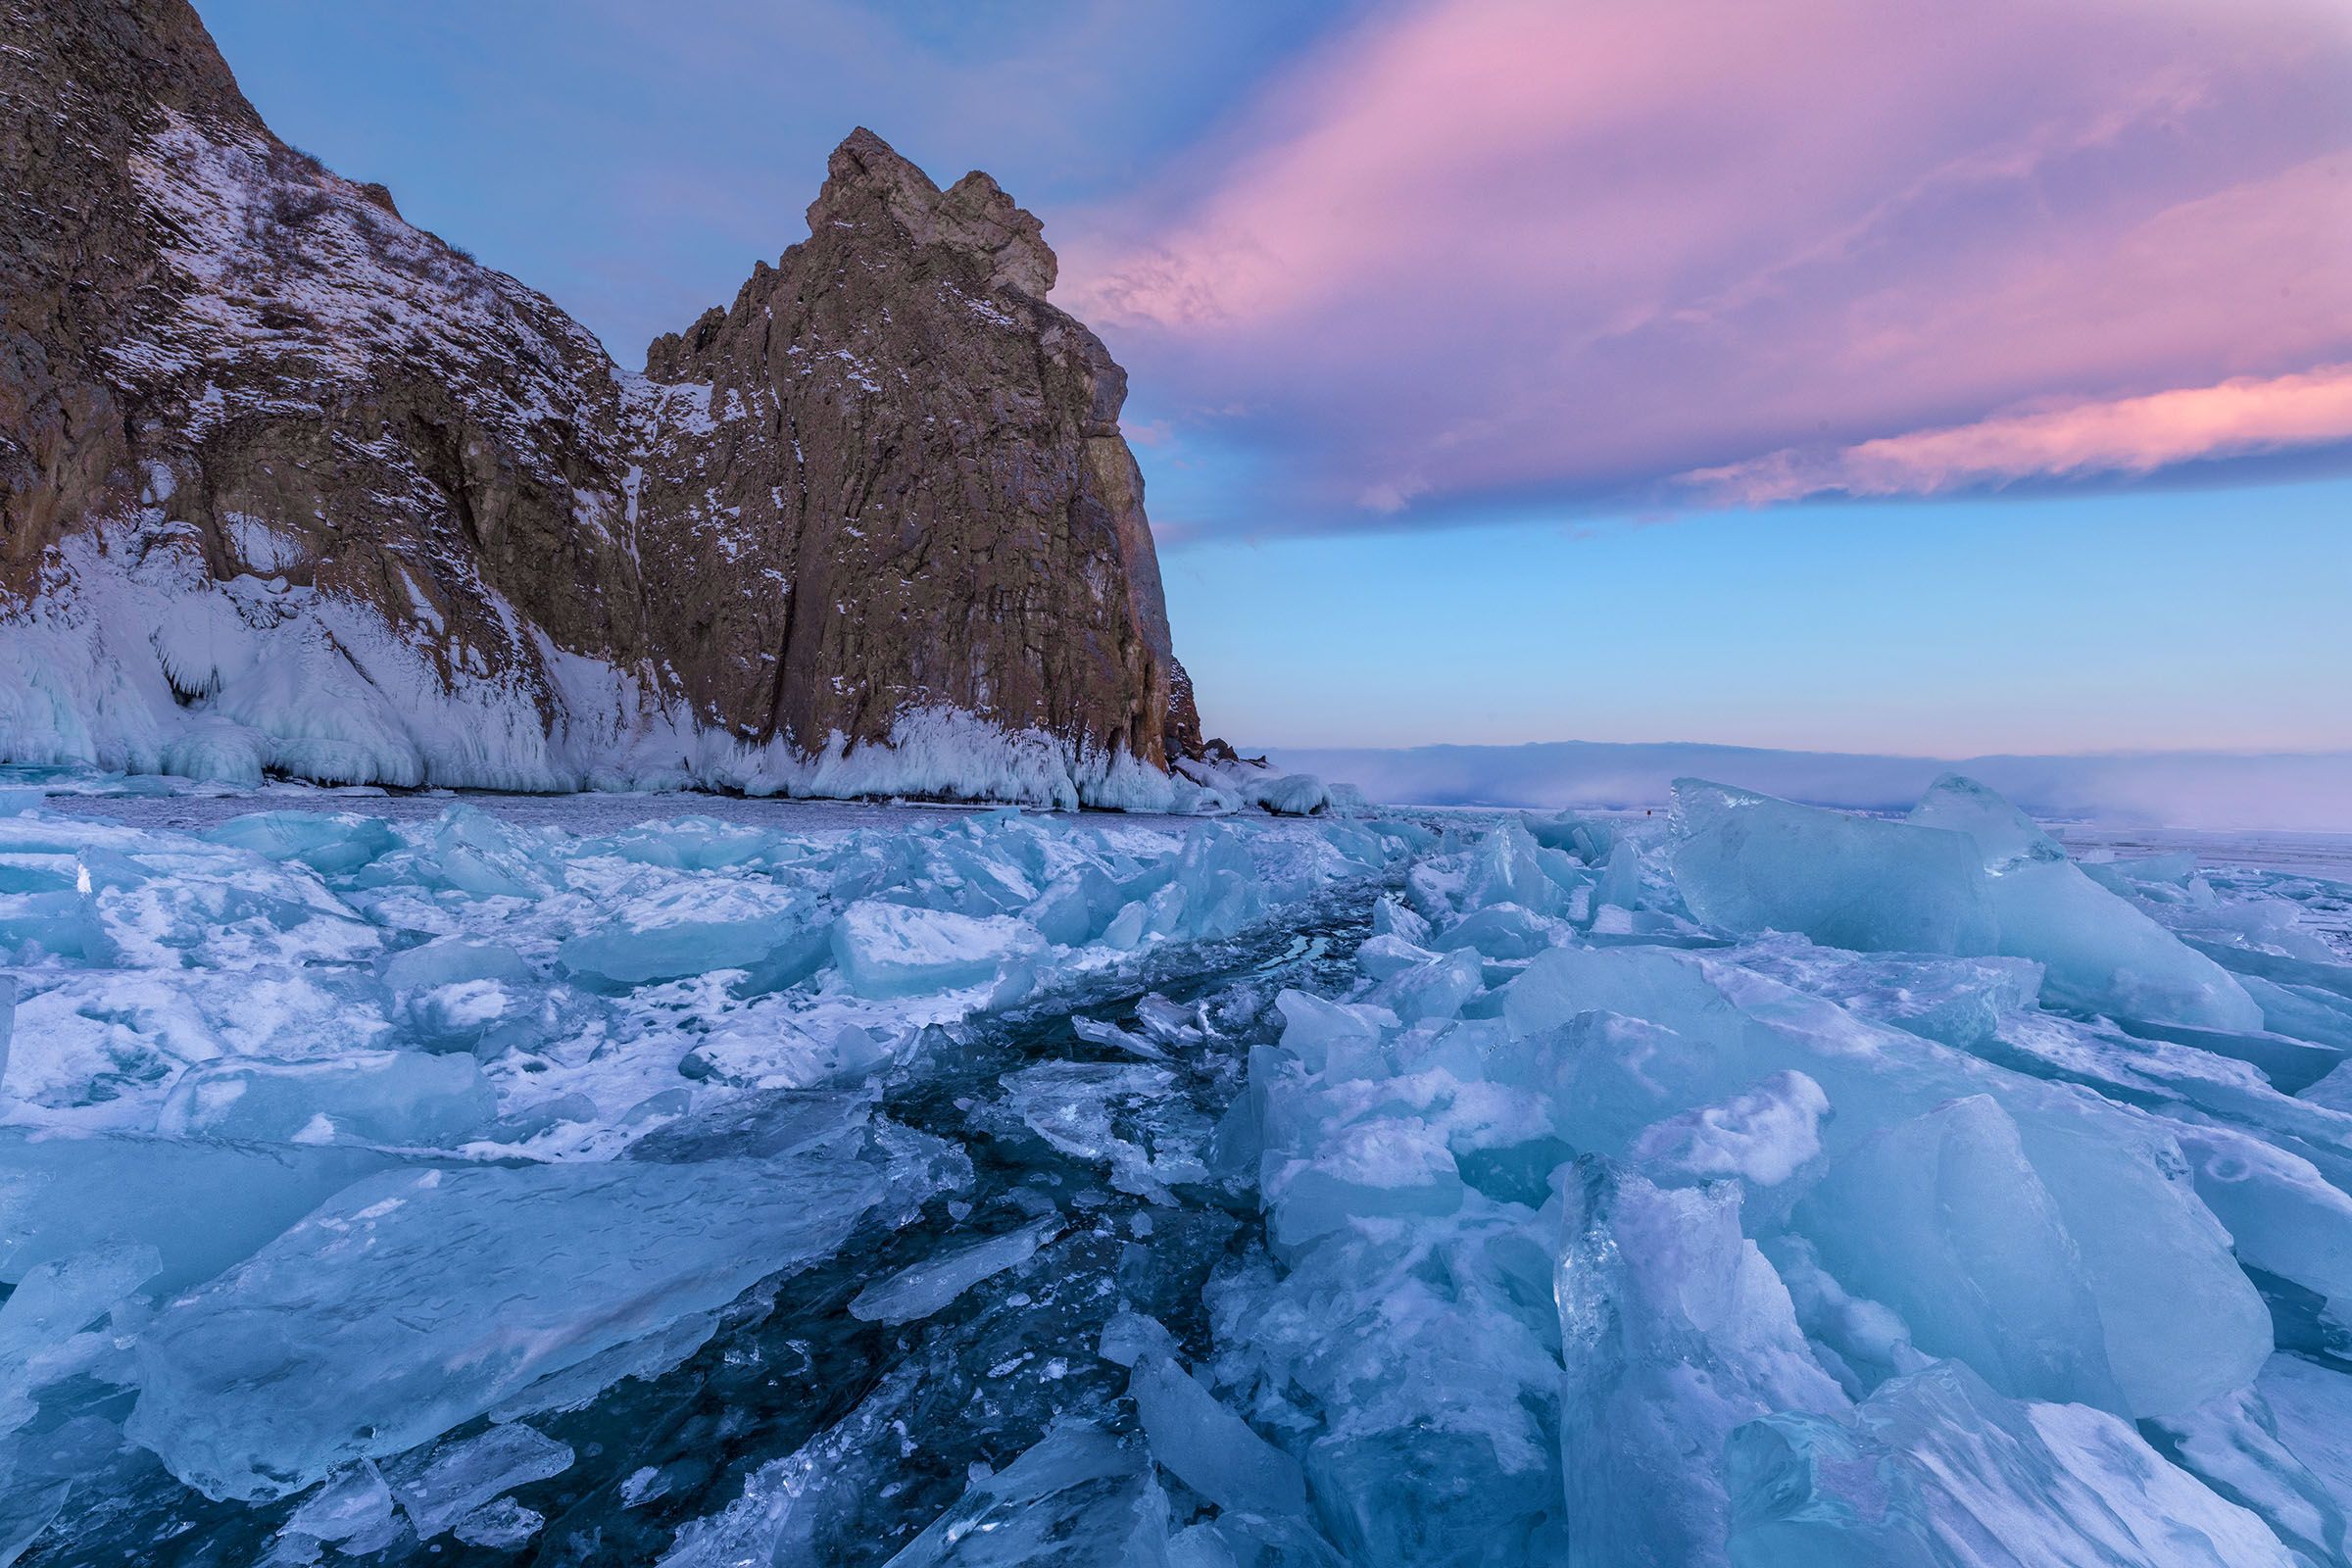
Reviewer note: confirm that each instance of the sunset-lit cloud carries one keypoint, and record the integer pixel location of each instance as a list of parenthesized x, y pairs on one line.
[(2120, 435), (1426, 302), (1396, 264), (1482, 250)]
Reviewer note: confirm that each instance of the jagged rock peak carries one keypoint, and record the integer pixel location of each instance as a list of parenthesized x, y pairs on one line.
[(973, 215), (913, 401)]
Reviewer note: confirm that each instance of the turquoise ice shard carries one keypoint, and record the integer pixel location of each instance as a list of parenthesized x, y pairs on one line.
[(2180, 1319), (1509, 866), (1095, 1032), (770, 933), (336, 843), (1434, 988), (454, 961), (923, 1288), (1503, 931), (1674, 1330), (1749, 863), (1119, 1113), (202, 1206), (44, 1322), (2098, 953), (897, 950), (439, 1488), (1935, 1470), (354, 1509), (1943, 1218), (1209, 1447), (1081, 1497), (417, 1300), (395, 1098), (1075, 907)]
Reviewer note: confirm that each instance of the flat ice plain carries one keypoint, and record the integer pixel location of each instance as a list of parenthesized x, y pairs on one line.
[(698, 1180)]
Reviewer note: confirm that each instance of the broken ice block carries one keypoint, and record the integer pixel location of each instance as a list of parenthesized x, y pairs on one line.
[(2284, 1217), (1081, 1495), (1509, 867), (1502, 931), (926, 1287), (2235, 1445), (444, 1484), (1935, 1469), (402, 1098), (454, 961), (1076, 907), (1433, 990), (1675, 1330), (1094, 1031), (1384, 1167), (1750, 862), (1944, 1219), (2098, 952), (42, 1321), (697, 928), (333, 843), (202, 1206), (1764, 1136), (1209, 1447), (414, 1302), (353, 1508), (1120, 1114), (894, 949)]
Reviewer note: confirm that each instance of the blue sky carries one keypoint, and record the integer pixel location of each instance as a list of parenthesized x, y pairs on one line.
[(2211, 619), (1434, 310)]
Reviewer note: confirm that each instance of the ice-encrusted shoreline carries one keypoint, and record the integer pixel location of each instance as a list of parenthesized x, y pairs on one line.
[(135, 660), (1755, 1184)]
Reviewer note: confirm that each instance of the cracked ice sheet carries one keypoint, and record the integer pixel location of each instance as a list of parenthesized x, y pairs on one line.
[(188, 948), (1400, 1337)]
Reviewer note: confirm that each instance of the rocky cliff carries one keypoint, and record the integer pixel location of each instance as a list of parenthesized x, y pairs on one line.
[(289, 485)]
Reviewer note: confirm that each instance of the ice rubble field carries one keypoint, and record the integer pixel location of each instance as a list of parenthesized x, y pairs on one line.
[(1754, 1184)]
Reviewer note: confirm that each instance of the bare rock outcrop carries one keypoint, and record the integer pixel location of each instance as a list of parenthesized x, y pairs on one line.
[(898, 427), (287, 484)]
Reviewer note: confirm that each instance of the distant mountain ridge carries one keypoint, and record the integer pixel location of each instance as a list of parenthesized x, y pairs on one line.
[(289, 485)]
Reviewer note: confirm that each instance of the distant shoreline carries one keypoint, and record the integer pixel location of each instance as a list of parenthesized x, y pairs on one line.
[(2307, 792)]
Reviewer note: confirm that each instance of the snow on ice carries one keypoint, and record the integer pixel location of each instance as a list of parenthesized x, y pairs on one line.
[(1752, 1185)]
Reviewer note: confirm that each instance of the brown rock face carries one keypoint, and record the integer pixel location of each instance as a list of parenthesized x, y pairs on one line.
[(286, 484), (926, 458)]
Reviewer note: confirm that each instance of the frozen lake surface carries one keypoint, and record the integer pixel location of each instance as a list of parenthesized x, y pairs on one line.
[(579, 1180), (199, 809), (191, 808)]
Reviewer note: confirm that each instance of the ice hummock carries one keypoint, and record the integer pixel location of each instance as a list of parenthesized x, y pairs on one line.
[(1764, 1185)]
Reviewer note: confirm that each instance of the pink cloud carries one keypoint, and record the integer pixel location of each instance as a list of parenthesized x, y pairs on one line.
[(1527, 248), (2120, 435)]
